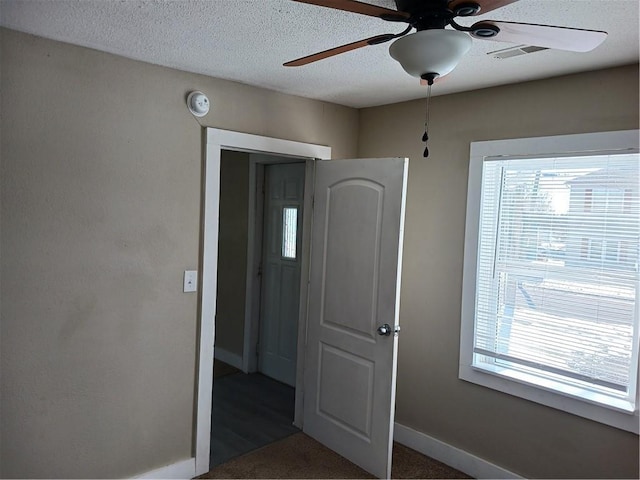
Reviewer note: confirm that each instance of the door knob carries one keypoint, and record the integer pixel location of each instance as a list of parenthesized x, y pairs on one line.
[(386, 329)]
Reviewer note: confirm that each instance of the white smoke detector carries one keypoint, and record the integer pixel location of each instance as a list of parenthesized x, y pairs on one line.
[(198, 103)]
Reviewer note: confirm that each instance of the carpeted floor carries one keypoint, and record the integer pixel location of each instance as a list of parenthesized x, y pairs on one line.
[(299, 456)]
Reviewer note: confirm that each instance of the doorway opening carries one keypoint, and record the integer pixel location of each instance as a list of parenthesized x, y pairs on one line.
[(258, 302), (346, 353), (215, 142)]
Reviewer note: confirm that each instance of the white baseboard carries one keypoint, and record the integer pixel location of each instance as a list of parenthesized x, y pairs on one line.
[(186, 469), (449, 455), (228, 357)]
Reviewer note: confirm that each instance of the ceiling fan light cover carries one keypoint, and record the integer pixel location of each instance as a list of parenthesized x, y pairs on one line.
[(430, 51)]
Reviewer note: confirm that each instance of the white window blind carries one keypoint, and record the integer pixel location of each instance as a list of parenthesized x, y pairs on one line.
[(557, 280)]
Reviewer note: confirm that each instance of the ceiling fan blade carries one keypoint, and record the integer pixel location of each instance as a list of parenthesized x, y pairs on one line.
[(561, 38), (341, 49), (485, 5), (360, 7)]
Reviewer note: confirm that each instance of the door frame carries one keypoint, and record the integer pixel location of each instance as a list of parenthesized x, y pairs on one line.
[(216, 141)]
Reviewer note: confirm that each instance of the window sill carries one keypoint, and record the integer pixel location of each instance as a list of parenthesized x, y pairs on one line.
[(616, 413)]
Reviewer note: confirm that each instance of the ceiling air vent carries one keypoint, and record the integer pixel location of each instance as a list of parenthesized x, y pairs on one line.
[(515, 51)]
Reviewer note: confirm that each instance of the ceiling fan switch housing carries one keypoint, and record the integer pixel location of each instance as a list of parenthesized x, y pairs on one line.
[(429, 78)]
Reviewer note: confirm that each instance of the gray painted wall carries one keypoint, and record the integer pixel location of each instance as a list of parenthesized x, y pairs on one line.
[(101, 171), (530, 439)]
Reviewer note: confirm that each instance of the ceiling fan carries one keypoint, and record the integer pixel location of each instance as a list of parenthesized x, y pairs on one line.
[(434, 50)]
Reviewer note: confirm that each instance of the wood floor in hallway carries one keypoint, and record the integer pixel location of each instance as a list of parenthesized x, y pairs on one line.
[(249, 411)]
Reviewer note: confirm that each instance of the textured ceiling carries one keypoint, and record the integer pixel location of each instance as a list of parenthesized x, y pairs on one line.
[(248, 40)]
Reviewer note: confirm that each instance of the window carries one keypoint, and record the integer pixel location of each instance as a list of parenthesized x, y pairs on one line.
[(551, 283), (289, 232)]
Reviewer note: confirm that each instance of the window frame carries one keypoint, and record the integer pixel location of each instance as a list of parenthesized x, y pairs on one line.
[(626, 141)]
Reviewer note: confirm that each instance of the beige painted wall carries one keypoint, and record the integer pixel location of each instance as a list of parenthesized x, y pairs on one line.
[(232, 251), (99, 200), (101, 189), (524, 437)]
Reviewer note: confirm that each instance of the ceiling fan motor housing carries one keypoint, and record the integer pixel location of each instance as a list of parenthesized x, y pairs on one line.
[(416, 6), (432, 14)]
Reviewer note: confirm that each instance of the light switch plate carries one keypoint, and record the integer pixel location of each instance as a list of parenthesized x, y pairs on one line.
[(190, 281)]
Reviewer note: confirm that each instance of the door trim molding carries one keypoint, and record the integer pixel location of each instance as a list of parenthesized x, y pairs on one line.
[(216, 141), (455, 457)]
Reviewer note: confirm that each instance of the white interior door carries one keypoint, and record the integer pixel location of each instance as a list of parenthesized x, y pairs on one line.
[(350, 368), (280, 299)]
